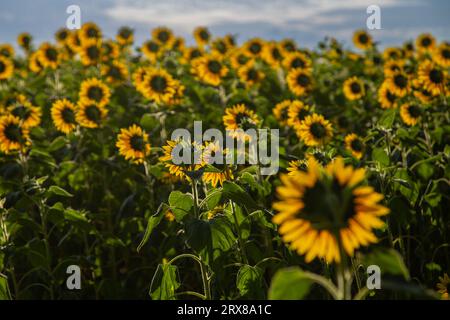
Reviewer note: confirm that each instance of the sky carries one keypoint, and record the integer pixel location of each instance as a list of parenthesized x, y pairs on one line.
[(306, 21)]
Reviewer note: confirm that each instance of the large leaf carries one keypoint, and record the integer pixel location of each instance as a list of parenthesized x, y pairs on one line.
[(289, 284), (4, 289), (180, 204), (389, 261), (164, 282), (236, 193), (249, 281), (152, 223)]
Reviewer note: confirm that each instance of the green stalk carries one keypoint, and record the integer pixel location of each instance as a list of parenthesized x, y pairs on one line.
[(240, 241)]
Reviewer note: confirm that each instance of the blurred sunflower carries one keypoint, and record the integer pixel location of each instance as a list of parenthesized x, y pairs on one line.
[(151, 49), (398, 83), (441, 55), (410, 113), (210, 69), (299, 81), (164, 36), (49, 56), (280, 111), (133, 144), (6, 68), (93, 90), (34, 64), (392, 54), (443, 287), (24, 41), (354, 144), (250, 75), (90, 115), (362, 40), (178, 44), (239, 58), (391, 67), (297, 112), (254, 47), (288, 45), (425, 43), (89, 31), (62, 35), (13, 136), (158, 85), (408, 49), (109, 50), (202, 36), (138, 76), (295, 60), (386, 97), (29, 115), (190, 54), (240, 117), (272, 54), (211, 152), (422, 94), (230, 39), (432, 77), (220, 47), (74, 42), (63, 115), (125, 36), (116, 72), (296, 166), (6, 50), (315, 130), (90, 52), (354, 88), (325, 213)]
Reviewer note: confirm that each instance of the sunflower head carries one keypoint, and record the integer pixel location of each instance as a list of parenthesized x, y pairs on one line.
[(214, 154), (116, 72), (158, 85), (432, 77), (90, 31), (296, 166), (49, 56), (314, 130), (202, 36), (151, 49), (327, 212), (238, 119), (210, 69), (29, 115), (410, 113), (164, 36), (6, 50), (6, 68), (399, 83), (220, 46), (280, 111), (250, 75), (90, 52), (297, 112), (288, 45), (425, 42), (62, 35), (125, 36), (239, 58), (273, 54), (24, 40), (441, 55), (353, 88), (13, 136), (387, 97), (296, 60), (94, 91), (299, 81), (63, 115), (355, 145), (362, 40), (254, 47), (133, 144), (90, 115)]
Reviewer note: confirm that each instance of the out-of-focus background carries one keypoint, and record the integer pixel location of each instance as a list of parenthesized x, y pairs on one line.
[(306, 21)]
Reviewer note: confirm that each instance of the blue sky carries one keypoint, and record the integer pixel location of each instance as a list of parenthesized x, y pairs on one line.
[(307, 21)]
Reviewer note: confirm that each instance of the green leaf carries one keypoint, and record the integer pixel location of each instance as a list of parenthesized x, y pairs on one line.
[(289, 284), (236, 193), (55, 190), (378, 154), (180, 204), (164, 282), (149, 122), (425, 170), (4, 289), (389, 261), (57, 143), (387, 119), (249, 282), (152, 223)]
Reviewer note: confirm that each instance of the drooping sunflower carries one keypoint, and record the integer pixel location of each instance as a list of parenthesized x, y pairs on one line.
[(280, 111), (125, 36), (13, 136), (353, 88), (254, 47), (151, 49), (29, 115), (443, 287), (133, 144), (240, 117), (386, 97), (6, 50), (158, 85), (90, 115), (63, 115), (49, 56), (272, 54), (354, 144), (116, 72), (296, 60), (299, 81), (315, 130), (6, 68), (432, 77), (441, 55), (410, 113), (93, 90), (24, 40), (288, 45), (425, 43), (296, 166), (399, 83), (89, 31), (210, 69), (212, 152), (164, 36), (325, 213), (297, 112), (250, 75), (62, 35), (362, 40), (34, 64), (90, 52), (202, 36)]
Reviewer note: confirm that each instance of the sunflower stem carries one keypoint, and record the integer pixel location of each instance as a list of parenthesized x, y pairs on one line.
[(240, 241), (195, 195)]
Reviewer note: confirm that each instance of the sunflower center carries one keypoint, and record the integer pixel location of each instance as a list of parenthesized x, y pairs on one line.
[(5, 52), (244, 122), (242, 59), (63, 35), (68, 115), (95, 93), (446, 53), (252, 74), (301, 115), (125, 33), (195, 54), (357, 145), (414, 111), (303, 80), (21, 111), (204, 35), (93, 52), (318, 130), (288, 46), (92, 33), (276, 54), (137, 143), (163, 36), (2, 67), (26, 41), (93, 113), (152, 46), (114, 72), (436, 76), (255, 48), (51, 54), (426, 42), (298, 63), (363, 38), (400, 81), (214, 66), (390, 96), (355, 87), (221, 47), (13, 133), (107, 48), (158, 83)]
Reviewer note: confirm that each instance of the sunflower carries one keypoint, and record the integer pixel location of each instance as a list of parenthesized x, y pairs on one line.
[(34, 64), (49, 56), (425, 43), (90, 52), (398, 83), (250, 75), (29, 115), (115, 72), (272, 54), (392, 53), (190, 54), (354, 144), (164, 36), (202, 36), (138, 77), (6, 50), (178, 44), (74, 42), (62, 35), (386, 97), (133, 144), (214, 150), (299, 81), (24, 40), (432, 77), (220, 47), (125, 36), (392, 66), (441, 55), (254, 47), (296, 60), (240, 117), (89, 31), (183, 170), (210, 69), (6, 68), (315, 130), (326, 213), (13, 136), (63, 115), (443, 287), (280, 111), (421, 93), (354, 88), (93, 90), (297, 112), (410, 113), (90, 115), (296, 166), (109, 50), (288, 45), (151, 49), (362, 40), (158, 85), (239, 58)]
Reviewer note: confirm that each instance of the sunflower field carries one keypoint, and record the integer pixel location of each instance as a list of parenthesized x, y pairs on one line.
[(87, 177)]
